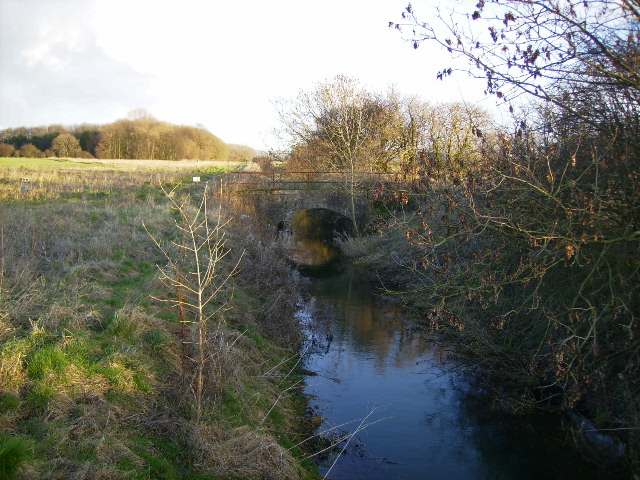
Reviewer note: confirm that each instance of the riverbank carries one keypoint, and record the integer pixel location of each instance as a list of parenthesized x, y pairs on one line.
[(95, 378), (396, 404), (404, 281)]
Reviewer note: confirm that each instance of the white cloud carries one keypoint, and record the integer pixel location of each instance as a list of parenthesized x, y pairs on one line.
[(53, 71), (194, 61)]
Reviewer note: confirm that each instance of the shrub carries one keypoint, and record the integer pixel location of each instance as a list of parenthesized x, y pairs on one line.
[(30, 151), (7, 150), (264, 162), (84, 154)]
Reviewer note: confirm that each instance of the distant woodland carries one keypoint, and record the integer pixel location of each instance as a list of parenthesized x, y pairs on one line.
[(137, 137)]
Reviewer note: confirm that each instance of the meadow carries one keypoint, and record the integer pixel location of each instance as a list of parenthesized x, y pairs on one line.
[(112, 164), (94, 379), (49, 178)]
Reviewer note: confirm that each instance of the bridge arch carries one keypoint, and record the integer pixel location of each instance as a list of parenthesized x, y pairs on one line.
[(321, 223)]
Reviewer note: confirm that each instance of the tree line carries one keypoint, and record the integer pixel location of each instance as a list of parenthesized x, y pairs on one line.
[(341, 125), (138, 137)]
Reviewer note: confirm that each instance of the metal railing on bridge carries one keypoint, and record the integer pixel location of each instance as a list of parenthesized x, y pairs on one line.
[(297, 180)]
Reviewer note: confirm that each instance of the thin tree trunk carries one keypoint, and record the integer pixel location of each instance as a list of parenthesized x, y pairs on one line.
[(352, 194)]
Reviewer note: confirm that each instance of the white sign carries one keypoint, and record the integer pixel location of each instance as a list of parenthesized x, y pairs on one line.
[(196, 179)]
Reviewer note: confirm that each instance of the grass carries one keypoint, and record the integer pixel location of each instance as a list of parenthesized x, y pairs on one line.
[(48, 360), (13, 452), (107, 180), (130, 165), (8, 402), (91, 378), (40, 163)]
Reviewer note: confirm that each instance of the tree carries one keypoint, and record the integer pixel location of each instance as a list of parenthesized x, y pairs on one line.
[(536, 254), (89, 140), (241, 153), (141, 114), (43, 138), (409, 125), (7, 150), (200, 251), (538, 47), (66, 145), (341, 123), (30, 151), (431, 137), (16, 137), (453, 137), (148, 138)]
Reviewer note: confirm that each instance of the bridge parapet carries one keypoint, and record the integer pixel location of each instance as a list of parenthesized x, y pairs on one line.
[(310, 180), (277, 207)]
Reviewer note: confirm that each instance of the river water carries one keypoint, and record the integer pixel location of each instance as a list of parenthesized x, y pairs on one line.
[(399, 405)]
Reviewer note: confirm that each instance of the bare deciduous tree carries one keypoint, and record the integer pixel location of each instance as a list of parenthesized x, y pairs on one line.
[(536, 47), (341, 125), (536, 256), (195, 272)]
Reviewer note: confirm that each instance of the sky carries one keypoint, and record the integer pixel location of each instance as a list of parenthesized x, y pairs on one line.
[(221, 64)]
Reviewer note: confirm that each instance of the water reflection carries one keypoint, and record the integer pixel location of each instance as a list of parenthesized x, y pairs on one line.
[(311, 241), (376, 363), (359, 321), (368, 359), (312, 251)]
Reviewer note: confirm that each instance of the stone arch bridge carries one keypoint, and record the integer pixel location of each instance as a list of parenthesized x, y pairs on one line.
[(277, 197), (279, 207)]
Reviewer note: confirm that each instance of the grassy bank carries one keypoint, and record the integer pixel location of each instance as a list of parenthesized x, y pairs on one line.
[(94, 381)]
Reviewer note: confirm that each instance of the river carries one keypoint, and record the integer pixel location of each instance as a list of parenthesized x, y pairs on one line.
[(399, 404)]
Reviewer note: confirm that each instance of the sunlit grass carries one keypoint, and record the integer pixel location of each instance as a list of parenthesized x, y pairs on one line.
[(37, 179), (114, 164), (45, 163)]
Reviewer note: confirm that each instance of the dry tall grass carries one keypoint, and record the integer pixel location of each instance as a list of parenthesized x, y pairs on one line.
[(90, 366)]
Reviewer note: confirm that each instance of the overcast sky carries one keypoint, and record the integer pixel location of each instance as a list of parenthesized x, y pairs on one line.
[(217, 63)]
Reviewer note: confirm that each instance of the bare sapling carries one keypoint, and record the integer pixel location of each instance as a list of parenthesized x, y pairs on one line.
[(1, 257), (194, 271)]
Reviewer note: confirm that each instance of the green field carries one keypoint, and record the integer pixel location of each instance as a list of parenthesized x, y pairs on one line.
[(40, 163), (49, 178), (54, 163)]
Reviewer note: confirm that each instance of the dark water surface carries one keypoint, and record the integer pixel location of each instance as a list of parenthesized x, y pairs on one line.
[(375, 369)]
